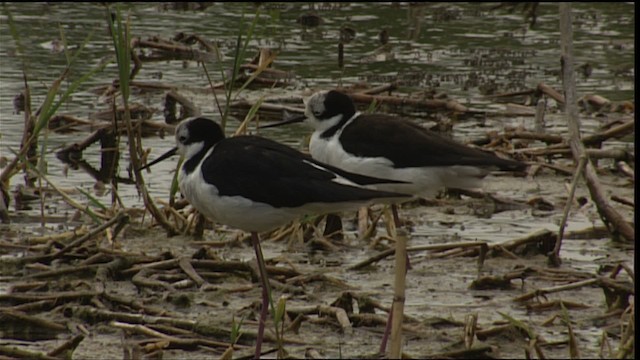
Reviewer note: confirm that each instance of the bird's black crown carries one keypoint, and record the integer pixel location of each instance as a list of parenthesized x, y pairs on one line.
[(336, 103), (201, 130)]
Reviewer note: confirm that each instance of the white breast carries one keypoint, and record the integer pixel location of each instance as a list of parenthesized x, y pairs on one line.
[(242, 213)]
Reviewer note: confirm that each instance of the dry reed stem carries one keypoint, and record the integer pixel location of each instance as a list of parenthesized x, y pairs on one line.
[(554, 256), (17, 353), (389, 252), (395, 348), (67, 348), (544, 291), (614, 221), (470, 328)]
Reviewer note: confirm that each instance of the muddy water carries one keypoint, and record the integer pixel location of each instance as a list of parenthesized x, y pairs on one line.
[(460, 50), (464, 50)]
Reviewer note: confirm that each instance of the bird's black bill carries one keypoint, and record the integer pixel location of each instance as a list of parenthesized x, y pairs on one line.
[(162, 157), (295, 119)]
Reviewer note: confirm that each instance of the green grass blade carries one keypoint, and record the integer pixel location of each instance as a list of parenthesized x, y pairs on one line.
[(92, 200), (250, 116), (175, 186), (120, 35), (49, 108), (519, 325), (14, 34)]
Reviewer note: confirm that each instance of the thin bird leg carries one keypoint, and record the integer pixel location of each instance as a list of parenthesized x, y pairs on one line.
[(387, 332), (262, 268), (396, 218)]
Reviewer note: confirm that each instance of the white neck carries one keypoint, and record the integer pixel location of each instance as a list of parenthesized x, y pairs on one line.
[(190, 150)]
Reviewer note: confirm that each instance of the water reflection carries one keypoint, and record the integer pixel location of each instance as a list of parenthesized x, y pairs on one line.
[(463, 51)]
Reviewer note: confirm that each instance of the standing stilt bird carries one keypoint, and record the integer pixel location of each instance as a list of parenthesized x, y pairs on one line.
[(256, 184), (390, 147)]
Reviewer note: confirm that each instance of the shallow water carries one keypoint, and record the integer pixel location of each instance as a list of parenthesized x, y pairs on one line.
[(458, 49)]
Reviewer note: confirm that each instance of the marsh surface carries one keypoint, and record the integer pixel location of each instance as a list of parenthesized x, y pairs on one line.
[(466, 51)]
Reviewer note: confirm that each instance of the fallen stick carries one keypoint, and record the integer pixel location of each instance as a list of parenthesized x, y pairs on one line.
[(269, 72), (623, 129), (267, 107), (87, 269), (62, 237), (13, 352), (379, 89), (540, 89), (141, 279), (120, 217), (539, 236), (94, 315), (175, 341), (80, 146), (60, 296), (339, 314), (551, 92), (137, 304), (561, 169), (67, 348), (189, 109), (602, 281), (165, 50), (554, 256), (33, 321), (483, 334), (556, 305), (615, 154), (423, 104), (162, 264), (623, 201), (188, 269), (34, 306), (626, 169), (544, 291), (528, 135), (392, 251)]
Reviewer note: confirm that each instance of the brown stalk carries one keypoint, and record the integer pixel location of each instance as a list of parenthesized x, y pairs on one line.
[(395, 348), (616, 224)]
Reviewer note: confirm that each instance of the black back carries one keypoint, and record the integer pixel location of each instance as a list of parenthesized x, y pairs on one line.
[(408, 144), (265, 171)]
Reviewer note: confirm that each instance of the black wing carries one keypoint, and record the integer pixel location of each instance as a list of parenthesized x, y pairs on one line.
[(265, 171), (408, 144)]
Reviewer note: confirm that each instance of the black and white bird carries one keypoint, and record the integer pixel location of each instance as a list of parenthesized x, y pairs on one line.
[(256, 184), (390, 147)]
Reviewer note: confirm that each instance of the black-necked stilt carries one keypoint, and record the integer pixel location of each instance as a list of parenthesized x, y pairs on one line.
[(256, 184), (392, 148)]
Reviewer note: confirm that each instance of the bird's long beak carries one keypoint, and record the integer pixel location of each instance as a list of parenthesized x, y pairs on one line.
[(162, 157), (294, 119)]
